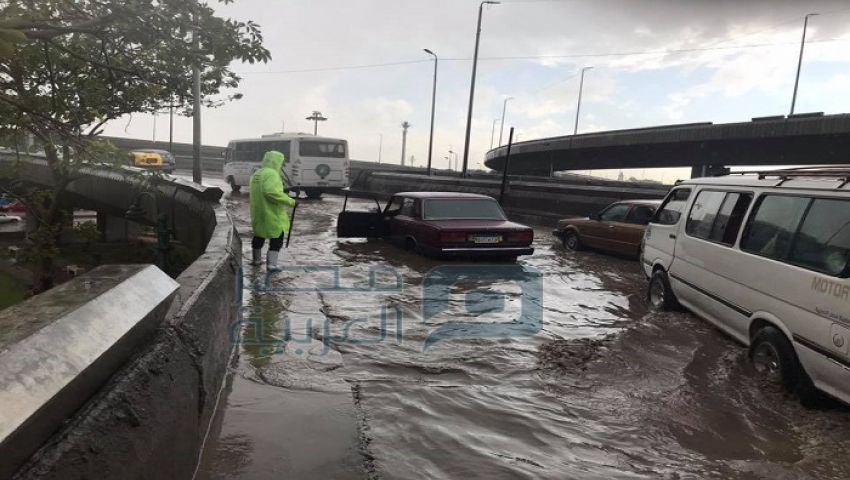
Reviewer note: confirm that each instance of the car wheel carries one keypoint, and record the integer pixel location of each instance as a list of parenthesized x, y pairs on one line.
[(571, 240), (775, 361), (660, 294), (233, 187), (410, 245), (314, 194)]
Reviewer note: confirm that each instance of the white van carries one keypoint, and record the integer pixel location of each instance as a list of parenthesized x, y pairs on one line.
[(314, 165), (764, 257)]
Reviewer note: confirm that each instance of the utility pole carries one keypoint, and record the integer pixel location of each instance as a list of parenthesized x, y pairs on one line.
[(316, 117), (404, 126), (800, 61), (433, 110), (380, 146), (196, 106), (171, 126), (580, 91), (504, 110), (472, 84)]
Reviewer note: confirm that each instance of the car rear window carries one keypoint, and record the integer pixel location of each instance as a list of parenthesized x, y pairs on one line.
[(463, 209)]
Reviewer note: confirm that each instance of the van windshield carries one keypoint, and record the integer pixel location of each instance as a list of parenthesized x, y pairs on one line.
[(463, 209), (322, 149)]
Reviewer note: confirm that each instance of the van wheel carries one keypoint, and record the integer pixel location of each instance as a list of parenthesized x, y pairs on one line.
[(774, 360), (572, 241), (660, 294)]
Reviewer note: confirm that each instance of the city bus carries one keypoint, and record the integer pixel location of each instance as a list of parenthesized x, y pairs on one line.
[(314, 165)]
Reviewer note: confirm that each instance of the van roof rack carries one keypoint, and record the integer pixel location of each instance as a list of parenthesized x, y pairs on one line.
[(841, 172)]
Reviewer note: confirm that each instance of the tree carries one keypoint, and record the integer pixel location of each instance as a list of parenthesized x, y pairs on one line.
[(67, 67)]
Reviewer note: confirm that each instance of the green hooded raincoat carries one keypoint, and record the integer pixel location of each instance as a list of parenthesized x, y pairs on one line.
[(269, 204)]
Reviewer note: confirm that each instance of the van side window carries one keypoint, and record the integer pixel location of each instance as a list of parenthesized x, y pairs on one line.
[(823, 243), (731, 217), (671, 209), (703, 213), (773, 225)]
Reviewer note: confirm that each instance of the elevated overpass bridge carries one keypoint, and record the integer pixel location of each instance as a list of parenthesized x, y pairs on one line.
[(804, 139)]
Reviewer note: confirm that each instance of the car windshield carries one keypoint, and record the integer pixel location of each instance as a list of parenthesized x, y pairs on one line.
[(463, 209)]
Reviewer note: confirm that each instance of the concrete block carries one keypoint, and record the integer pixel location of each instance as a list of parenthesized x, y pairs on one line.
[(59, 348)]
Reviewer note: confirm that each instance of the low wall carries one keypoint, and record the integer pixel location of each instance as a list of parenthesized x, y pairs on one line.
[(539, 201), (149, 419)]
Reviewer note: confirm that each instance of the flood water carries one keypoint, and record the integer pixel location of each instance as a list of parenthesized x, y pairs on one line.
[(357, 376)]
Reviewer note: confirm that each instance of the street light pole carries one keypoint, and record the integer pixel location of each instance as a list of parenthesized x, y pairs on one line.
[(580, 91), (502, 128), (404, 126), (316, 117), (472, 84), (800, 61), (196, 107), (493, 133), (380, 146), (433, 109)]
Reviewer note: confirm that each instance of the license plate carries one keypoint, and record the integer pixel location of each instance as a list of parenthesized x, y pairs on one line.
[(485, 238)]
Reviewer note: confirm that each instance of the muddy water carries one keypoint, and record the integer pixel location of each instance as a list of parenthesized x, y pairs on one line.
[(357, 376)]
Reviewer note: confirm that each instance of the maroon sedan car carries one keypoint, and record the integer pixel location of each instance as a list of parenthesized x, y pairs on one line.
[(441, 224)]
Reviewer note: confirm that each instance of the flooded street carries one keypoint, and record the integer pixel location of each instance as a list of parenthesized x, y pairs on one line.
[(344, 371)]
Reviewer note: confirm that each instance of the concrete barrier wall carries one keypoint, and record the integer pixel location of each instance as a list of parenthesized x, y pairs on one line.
[(542, 202), (149, 420)]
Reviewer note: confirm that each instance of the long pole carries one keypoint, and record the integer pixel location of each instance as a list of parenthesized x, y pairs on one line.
[(493, 133), (404, 127), (380, 146), (472, 85), (580, 91), (505, 169), (171, 126), (504, 110), (800, 61), (433, 109), (196, 108)]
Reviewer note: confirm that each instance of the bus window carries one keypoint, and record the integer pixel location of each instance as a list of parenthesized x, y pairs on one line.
[(322, 149)]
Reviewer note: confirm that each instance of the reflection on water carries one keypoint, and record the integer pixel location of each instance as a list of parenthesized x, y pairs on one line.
[(551, 368)]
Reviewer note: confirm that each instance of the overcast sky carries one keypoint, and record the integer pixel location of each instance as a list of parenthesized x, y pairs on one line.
[(655, 62)]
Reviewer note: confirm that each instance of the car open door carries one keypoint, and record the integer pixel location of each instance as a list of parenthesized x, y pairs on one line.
[(360, 223)]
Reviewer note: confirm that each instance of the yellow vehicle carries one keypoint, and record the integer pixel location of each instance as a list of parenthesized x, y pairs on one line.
[(145, 159)]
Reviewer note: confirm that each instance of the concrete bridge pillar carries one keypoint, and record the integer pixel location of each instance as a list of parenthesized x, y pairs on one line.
[(698, 171)]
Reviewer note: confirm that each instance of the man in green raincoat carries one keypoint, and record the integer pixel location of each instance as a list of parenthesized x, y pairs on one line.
[(269, 210)]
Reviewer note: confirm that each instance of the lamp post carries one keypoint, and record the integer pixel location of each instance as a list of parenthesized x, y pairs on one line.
[(800, 61), (502, 128), (380, 146), (197, 176), (493, 133), (316, 117), (404, 126), (433, 109), (580, 91), (472, 84)]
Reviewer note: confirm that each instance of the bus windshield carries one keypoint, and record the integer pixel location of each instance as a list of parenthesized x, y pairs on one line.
[(322, 149)]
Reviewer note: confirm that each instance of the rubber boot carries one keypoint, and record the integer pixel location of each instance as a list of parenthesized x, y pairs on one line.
[(256, 257), (271, 261)]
